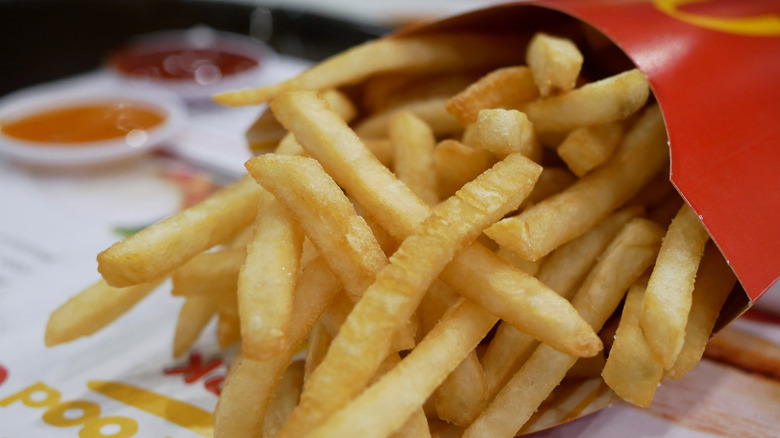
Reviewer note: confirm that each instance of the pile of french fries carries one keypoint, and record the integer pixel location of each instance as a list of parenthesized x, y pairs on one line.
[(446, 224)]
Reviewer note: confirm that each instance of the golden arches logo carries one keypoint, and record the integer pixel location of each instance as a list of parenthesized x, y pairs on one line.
[(760, 25)]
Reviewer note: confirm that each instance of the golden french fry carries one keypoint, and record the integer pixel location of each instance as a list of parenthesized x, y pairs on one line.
[(543, 227), (584, 149), (250, 384), (503, 132), (432, 111), (285, 399), (195, 313), (555, 63), (156, 251), (228, 323), (414, 143), (208, 272), (431, 53), (265, 133), (503, 87), (267, 280), (551, 181), (604, 101), (563, 270), (462, 396), (317, 344), (714, 282), (341, 236), (632, 370), (92, 309), (667, 300), (456, 164), (631, 252), (389, 90), (365, 336), (476, 272), (405, 388)]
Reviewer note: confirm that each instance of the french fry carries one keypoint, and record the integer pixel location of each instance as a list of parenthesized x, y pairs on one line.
[(208, 272), (604, 101), (432, 111), (414, 142), (265, 133), (543, 227), (399, 393), (357, 256), (386, 91), (92, 309), (714, 282), (156, 251), (632, 370), (432, 53), (667, 300), (503, 87), (503, 132), (584, 149), (456, 164), (555, 63), (623, 262), (285, 399), (228, 323), (365, 337), (551, 181), (476, 272), (563, 270), (250, 385), (267, 280), (195, 313)]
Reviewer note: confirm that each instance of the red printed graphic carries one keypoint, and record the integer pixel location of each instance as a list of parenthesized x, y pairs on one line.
[(195, 369), (3, 374)]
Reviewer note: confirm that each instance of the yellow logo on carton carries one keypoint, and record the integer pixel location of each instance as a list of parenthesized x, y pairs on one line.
[(760, 25)]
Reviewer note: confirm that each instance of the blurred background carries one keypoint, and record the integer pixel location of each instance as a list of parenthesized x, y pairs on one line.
[(43, 40)]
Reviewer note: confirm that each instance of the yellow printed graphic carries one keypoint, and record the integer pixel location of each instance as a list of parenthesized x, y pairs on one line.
[(183, 414), (761, 25)]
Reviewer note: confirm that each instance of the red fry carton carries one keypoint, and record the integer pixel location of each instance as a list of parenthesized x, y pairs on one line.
[(714, 68)]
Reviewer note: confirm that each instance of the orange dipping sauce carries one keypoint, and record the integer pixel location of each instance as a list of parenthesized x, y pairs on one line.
[(82, 123)]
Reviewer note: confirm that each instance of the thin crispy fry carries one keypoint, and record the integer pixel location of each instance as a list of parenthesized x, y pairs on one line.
[(626, 258), (405, 388), (285, 399), (667, 300), (342, 236), (503, 87), (267, 280), (156, 251), (604, 101), (555, 63), (503, 132), (250, 384), (208, 272), (456, 164), (432, 53), (195, 313), (476, 272), (714, 281), (414, 142), (584, 149), (632, 370), (562, 217), (431, 110), (365, 337), (92, 309)]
